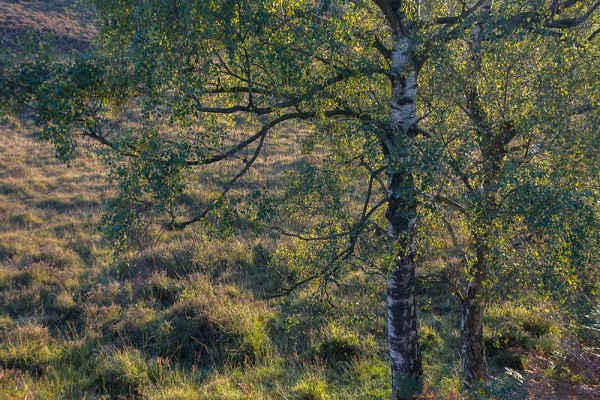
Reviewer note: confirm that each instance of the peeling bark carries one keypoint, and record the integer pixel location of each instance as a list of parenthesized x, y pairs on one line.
[(405, 357)]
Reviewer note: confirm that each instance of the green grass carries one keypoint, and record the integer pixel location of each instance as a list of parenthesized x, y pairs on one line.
[(187, 318)]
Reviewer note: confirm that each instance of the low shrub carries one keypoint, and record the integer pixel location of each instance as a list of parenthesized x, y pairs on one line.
[(339, 344), (137, 325), (123, 371), (537, 325), (510, 359), (101, 320), (311, 388), (112, 293), (429, 339), (208, 323), (6, 323), (515, 327), (28, 347), (162, 288), (65, 304)]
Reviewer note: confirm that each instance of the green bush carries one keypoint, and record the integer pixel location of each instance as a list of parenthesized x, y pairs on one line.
[(162, 288), (6, 323), (28, 347), (508, 326), (112, 293), (65, 304), (339, 344), (209, 324), (429, 339), (123, 371), (138, 325), (512, 360), (537, 325), (101, 320), (35, 286), (311, 388), (505, 337)]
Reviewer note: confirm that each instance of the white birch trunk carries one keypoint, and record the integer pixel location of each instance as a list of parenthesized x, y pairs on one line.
[(405, 357)]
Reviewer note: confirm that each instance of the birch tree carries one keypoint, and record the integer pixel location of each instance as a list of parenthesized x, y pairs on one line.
[(519, 100)]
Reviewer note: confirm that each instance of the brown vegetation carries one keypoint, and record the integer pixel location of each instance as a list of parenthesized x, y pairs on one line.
[(56, 21)]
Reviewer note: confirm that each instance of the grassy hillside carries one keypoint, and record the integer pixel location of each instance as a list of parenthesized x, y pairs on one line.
[(190, 317)]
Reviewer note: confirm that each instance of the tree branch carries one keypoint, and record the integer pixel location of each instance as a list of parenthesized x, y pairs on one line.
[(329, 268), (387, 53), (390, 8), (450, 20), (566, 23), (261, 134), (445, 200)]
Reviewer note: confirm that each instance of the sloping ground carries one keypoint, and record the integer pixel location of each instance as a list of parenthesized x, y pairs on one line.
[(63, 28), (179, 322), (41, 201), (77, 323)]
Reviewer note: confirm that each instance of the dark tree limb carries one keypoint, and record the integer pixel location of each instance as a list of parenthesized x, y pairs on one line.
[(260, 135)]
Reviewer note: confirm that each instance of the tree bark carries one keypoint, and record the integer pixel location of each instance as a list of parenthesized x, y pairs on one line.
[(474, 364), (396, 142), (405, 356)]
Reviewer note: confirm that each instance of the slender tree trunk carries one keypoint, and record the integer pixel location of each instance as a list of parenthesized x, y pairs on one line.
[(396, 142), (474, 364)]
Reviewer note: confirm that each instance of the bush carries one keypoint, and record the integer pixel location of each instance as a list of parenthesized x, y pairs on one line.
[(6, 323), (65, 303), (512, 360), (208, 322), (27, 347), (339, 344), (536, 325), (429, 339), (101, 320), (138, 325), (515, 327), (311, 388), (112, 293), (123, 371), (505, 337), (511, 332), (162, 288)]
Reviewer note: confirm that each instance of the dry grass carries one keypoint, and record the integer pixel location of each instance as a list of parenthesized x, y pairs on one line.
[(63, 27), (45, 206)]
